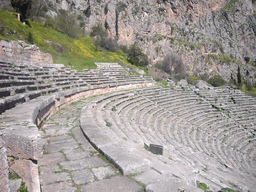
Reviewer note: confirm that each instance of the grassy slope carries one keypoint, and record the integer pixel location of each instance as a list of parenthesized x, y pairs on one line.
[(79, 53)]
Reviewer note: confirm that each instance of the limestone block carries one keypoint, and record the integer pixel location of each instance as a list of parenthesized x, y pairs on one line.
[(202, 84), (23, 142), (29, 173), (171, 83), (14, 184), (183, 83), (4, 187)]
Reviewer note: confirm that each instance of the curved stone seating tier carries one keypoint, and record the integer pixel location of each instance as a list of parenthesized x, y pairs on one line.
[(27, 101), (193, 133)]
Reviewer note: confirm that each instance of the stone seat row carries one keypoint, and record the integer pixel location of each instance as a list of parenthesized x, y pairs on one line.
[(195, 137), (24, 107)]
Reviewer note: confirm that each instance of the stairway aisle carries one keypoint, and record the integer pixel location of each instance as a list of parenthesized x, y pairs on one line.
[(69, 163)]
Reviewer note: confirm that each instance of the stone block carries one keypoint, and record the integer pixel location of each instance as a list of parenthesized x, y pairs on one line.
[(14, 184), (4, 172), (117, 183), (23, 142), (156, 149), (82, 176), (29, 173)]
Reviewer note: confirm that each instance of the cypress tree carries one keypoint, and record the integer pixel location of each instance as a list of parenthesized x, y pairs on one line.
[(239, 79)]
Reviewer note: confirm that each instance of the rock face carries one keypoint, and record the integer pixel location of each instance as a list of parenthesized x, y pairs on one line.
[(212, 36), (19, 50)]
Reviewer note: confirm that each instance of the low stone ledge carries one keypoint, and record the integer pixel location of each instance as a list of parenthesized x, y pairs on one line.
[(21, 135), (4, 186)]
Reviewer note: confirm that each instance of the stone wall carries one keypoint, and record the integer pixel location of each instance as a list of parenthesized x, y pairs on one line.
[(19, 50)]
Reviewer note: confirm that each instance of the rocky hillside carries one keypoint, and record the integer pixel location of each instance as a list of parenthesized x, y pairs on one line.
[(211, 36)]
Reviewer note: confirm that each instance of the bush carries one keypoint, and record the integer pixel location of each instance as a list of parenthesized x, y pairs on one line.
[(173, 64), (65, 22), (136, 56), (216, 81), (192, 80), (23, 187), (30, 38), (102, 39), (248, 85)]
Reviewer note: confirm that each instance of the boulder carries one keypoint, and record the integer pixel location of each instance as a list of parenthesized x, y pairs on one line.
[(202, 84)]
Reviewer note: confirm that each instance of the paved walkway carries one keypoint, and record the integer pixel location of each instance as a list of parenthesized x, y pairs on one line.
[(70, 163)]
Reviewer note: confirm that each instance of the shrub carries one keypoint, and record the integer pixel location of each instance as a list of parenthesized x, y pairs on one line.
[(216, 81), (136, 56), (114, 108), (13, 176), (192, 80), (173, 64), (101, 38), (247, 59), (106, 9), (23, 187), (108, 123), (248, 85), (30, 38), (66, 23)]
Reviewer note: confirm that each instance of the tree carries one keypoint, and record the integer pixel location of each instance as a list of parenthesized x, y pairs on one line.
[(216, 81), (173, 64), (101, 38), (136, 56), (23, 7), (65, 22), (239, 79)]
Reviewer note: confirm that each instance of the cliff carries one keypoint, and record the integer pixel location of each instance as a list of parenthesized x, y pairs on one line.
[(212, 36)]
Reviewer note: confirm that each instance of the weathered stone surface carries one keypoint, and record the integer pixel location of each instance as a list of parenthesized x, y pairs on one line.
[(23, 144), (51, 159), (14, 184), (20, 50), (59, 187), (103, 172), (171, 83), (114, 184), (54, 177), (156, 149), (4, 172), (83, 163), (74, 154), (71, 144), (171, 185), (29, 173), (183, 83), (202, 84), (82, 176)]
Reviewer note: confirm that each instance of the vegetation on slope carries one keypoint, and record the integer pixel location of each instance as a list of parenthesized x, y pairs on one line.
[(78, 52)]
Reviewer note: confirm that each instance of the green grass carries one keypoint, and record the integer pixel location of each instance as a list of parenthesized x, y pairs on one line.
[(13, 176), (251, 91), (162, 84), (79, 53), (202, 186), (23, 187), (227, 190)]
